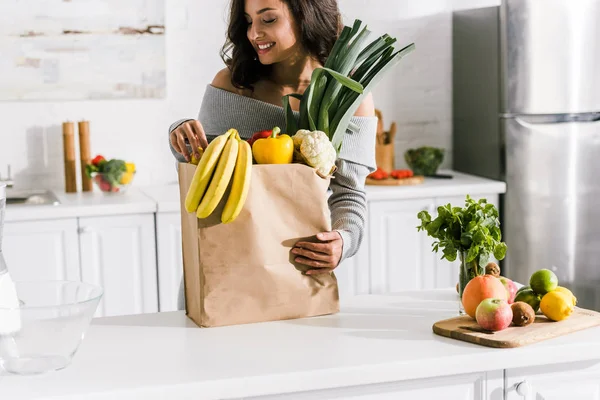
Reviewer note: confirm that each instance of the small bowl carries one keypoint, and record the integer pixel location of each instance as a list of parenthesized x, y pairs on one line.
[(45, 332), (424, 160), (106, 186)]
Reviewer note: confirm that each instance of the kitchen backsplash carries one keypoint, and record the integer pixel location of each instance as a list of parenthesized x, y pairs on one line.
[(417, 95)]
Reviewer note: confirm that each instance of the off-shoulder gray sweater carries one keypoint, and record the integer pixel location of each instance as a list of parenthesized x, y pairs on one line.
[(222, 110)]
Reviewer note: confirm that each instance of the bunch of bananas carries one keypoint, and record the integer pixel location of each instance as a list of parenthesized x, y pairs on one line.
[(227, 158)]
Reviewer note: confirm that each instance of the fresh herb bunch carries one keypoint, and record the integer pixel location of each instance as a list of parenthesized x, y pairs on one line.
[(474, 229), (337, 89)]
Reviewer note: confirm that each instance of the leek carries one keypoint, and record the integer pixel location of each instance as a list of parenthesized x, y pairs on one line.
[(337, 89)]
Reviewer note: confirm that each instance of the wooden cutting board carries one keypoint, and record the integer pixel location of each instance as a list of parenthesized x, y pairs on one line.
[(413, 180), (466, 329)]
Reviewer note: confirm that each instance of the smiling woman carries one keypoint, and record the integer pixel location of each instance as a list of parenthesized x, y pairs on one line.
[(293, 29), (272, 49)]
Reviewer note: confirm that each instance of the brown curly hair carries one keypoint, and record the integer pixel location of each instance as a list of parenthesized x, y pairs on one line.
[(320, 24)]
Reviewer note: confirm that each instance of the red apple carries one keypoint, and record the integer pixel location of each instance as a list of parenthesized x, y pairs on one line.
[(511, 288), (494, 314)]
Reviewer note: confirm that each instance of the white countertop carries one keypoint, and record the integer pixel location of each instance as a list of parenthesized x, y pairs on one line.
[(459, 185), (373, 339), (165, 198), (87, 204)]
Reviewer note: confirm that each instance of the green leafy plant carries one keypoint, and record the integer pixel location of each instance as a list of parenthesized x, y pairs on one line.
[(338, 88), (473, 229)]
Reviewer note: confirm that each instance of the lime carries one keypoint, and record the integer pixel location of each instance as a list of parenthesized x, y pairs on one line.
[(527, 295), (543, 281), (567, 292), (522, 288), (556, 305)]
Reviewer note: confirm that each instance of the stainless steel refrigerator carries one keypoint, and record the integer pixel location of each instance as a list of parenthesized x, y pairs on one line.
[(526, 110)]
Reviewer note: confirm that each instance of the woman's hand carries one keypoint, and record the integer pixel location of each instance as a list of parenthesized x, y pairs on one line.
[(194, 133), (324, 255)]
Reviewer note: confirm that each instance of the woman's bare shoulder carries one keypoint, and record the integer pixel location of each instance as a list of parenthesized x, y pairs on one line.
[(222, 80), (366, 108)]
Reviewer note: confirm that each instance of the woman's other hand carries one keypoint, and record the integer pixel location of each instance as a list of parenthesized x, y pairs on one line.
[(324, 255), (191, 131)]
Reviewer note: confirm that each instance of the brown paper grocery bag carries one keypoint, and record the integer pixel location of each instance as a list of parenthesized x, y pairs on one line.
[(243, 272)]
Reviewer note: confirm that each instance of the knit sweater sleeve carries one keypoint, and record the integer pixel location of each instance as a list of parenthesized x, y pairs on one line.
[(348, 200)]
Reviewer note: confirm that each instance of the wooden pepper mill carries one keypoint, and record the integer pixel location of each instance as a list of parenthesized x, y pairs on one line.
[(68, 130), (84, 154)]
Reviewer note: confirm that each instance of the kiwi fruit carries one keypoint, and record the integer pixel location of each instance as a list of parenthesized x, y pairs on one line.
[(492, 269), (523, 313)]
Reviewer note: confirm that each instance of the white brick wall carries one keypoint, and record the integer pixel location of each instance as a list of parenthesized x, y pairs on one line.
[(417, 95)]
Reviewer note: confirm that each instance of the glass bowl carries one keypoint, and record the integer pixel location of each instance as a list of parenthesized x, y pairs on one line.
[(45, 332), (108, 185), (424, 160)]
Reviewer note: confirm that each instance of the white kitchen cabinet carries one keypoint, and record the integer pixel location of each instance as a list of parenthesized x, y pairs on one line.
[(42, 250), (119, 254), (170, 260), (400, 257), (578, 380), (478, 386)]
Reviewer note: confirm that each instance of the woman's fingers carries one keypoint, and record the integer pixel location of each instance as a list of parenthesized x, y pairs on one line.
[(181, 142), (192, 138), (200, 134), (174, 142), (314, 263), (324, 248), (313, 255)]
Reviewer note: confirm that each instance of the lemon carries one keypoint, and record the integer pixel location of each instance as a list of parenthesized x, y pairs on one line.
[(567, 292), (556, 305)]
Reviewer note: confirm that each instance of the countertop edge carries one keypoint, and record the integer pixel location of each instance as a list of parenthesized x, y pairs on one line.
[(336, 378)]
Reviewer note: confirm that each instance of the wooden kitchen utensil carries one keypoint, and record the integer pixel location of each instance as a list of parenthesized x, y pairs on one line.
[(84, 154), (69, 157), (384, 147), (466, 329)]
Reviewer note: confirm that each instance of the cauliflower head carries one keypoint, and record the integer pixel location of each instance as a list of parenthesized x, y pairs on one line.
[(317, 150)]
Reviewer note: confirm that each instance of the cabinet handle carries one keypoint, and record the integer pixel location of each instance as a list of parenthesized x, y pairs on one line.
[(84, 229), (523, 388)]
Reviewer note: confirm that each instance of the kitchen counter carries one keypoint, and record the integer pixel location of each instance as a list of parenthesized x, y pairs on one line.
[(374, 339), (88, 204), (167, 196), (437, 187)]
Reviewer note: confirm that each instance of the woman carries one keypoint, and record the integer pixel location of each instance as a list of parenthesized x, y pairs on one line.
[(275, 46)]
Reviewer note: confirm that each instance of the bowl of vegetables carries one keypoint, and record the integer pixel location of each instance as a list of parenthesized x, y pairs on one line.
[(111, 176), (424, 160)]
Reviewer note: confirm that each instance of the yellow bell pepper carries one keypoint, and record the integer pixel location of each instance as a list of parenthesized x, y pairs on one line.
[(127, 176), (130, 167), (276, 149)]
